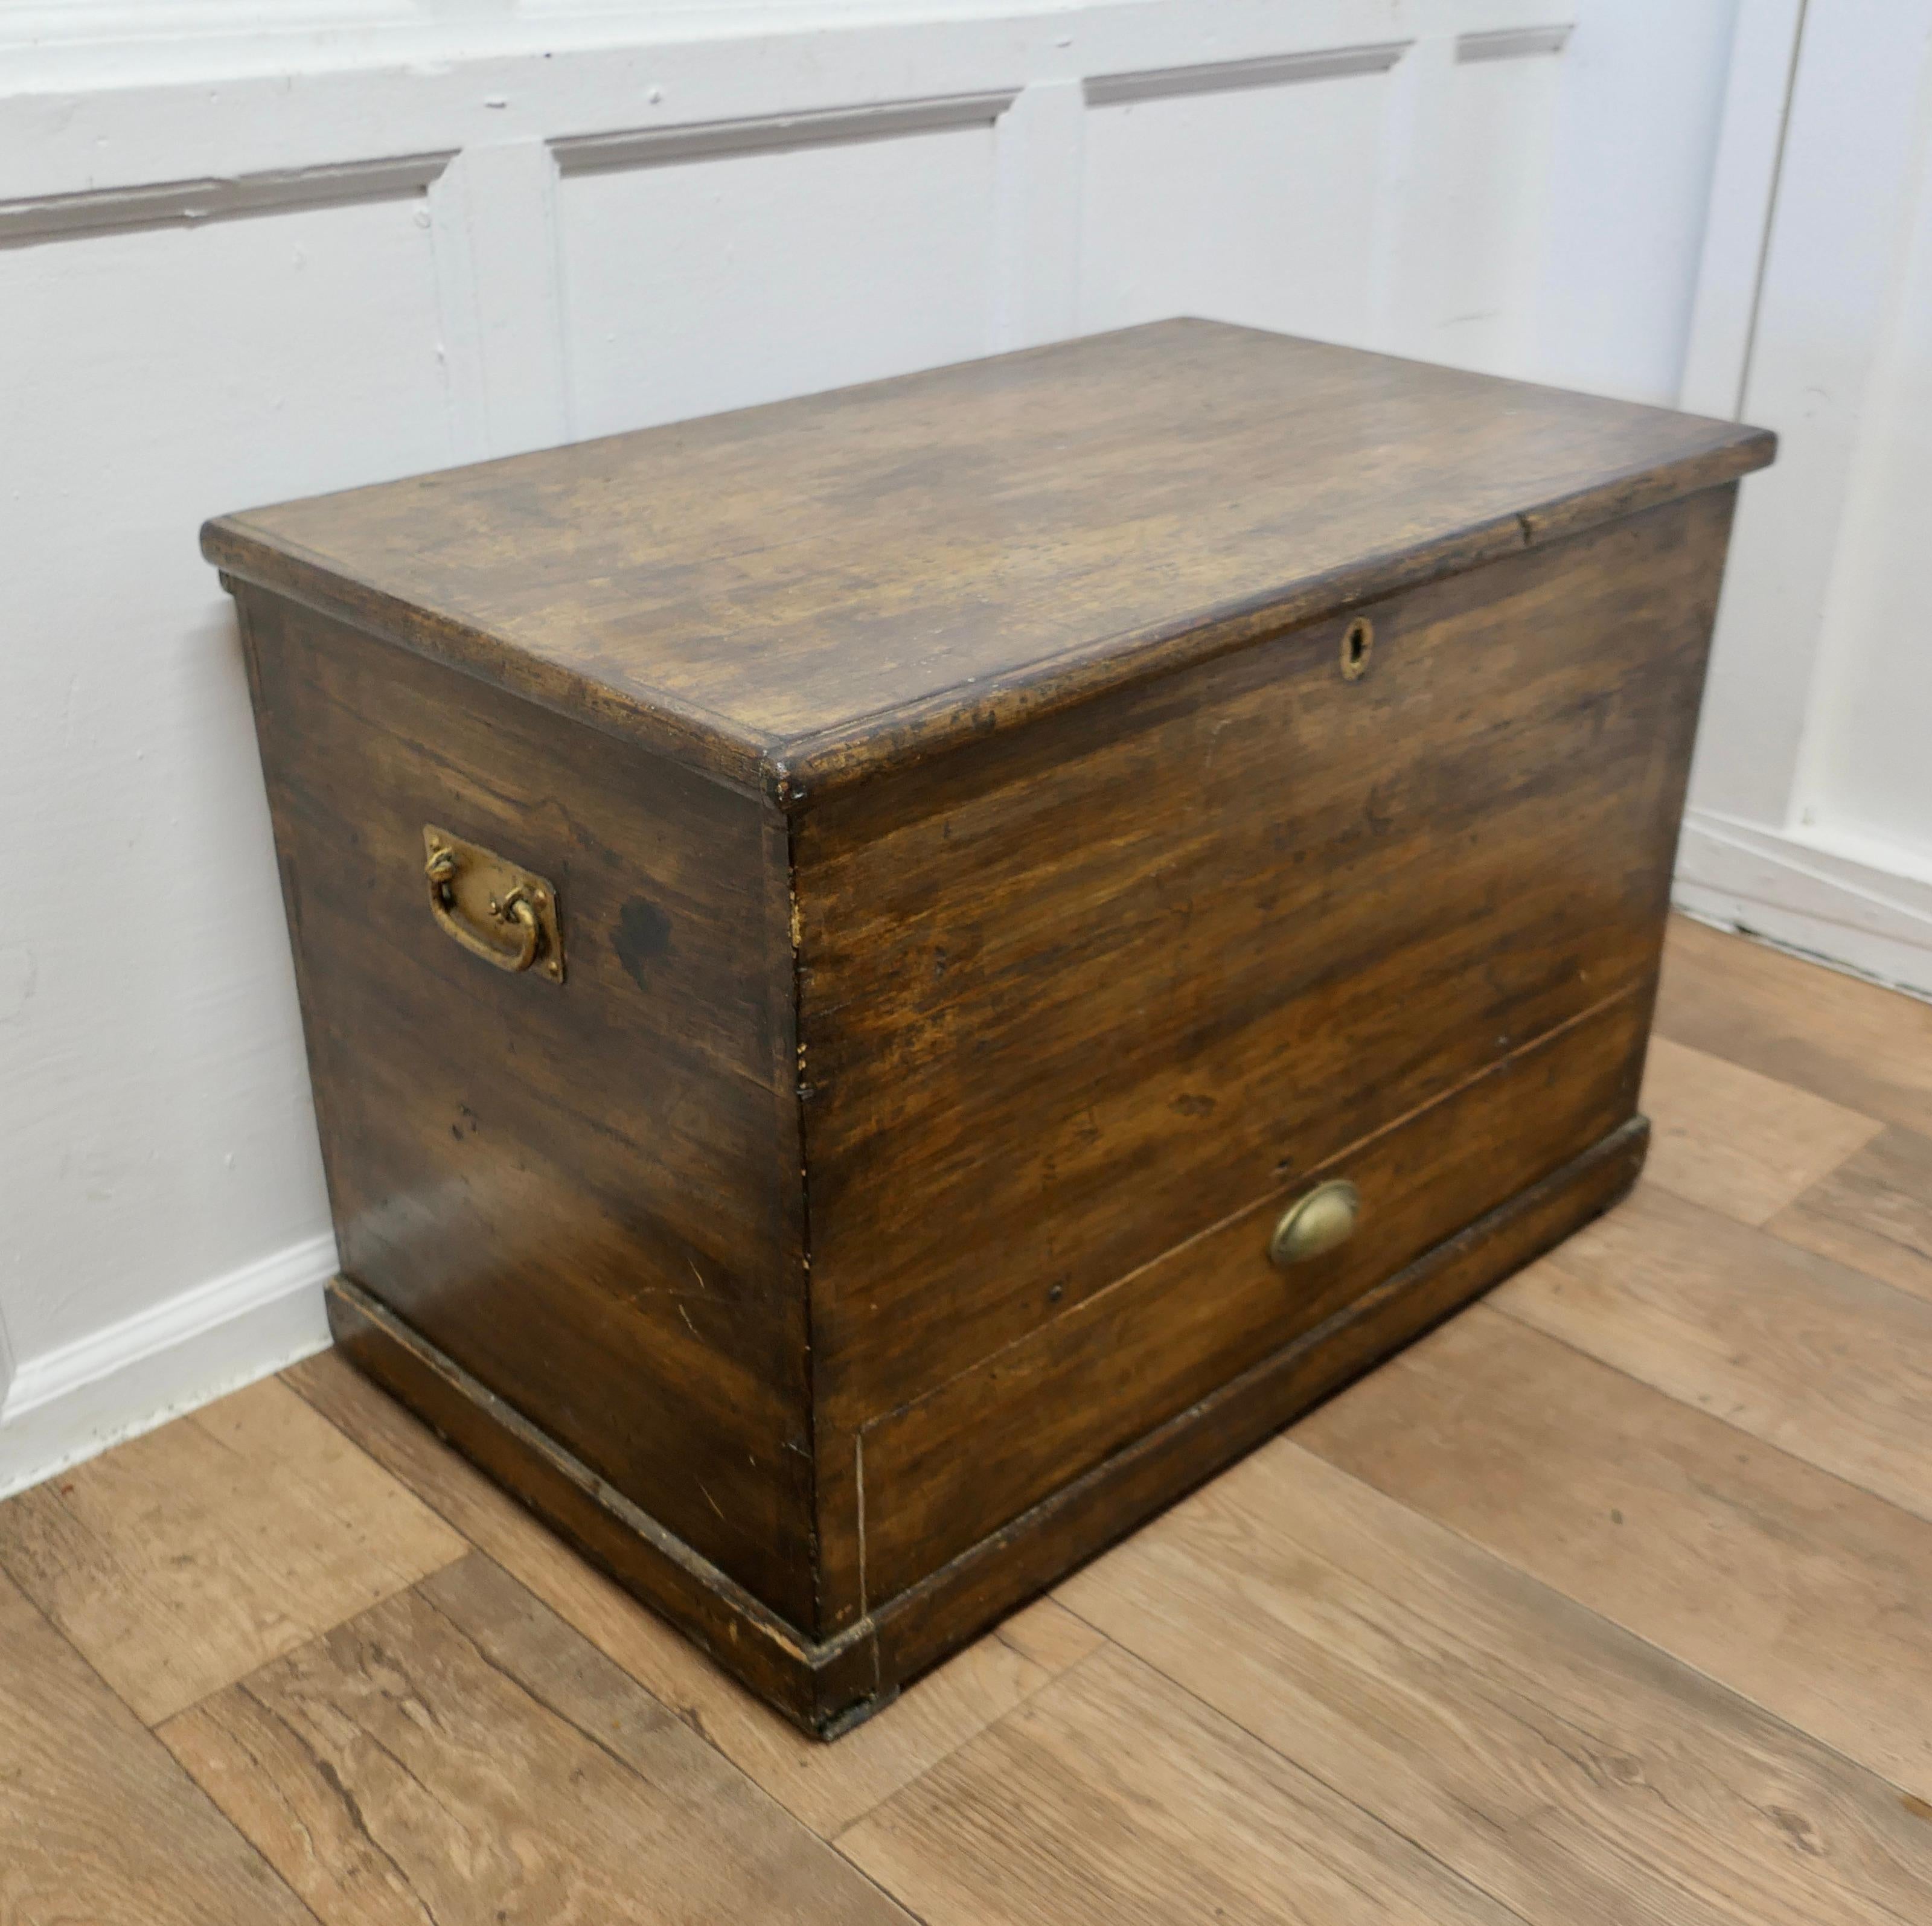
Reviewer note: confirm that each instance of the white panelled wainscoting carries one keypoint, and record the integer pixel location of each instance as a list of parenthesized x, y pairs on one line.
[(1810, 821), (247, 254)]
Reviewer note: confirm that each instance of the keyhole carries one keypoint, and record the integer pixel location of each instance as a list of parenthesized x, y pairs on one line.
[(1357, 639)]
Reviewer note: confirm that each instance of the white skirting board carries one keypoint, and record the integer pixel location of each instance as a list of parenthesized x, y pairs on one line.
[(1868, 912), (66, 1405)]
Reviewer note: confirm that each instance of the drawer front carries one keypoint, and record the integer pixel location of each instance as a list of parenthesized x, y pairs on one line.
[(957, 1465), (1072, 996)]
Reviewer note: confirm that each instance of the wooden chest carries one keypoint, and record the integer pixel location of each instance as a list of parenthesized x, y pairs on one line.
[(1066, 905)]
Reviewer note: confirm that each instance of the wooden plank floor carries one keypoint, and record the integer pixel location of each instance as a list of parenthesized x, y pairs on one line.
[(1610, 1602)]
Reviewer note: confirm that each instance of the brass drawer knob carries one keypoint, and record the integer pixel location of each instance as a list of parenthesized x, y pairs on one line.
[(1316, 1223)]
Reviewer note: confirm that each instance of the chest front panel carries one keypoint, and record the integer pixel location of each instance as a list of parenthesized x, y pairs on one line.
[(1073, 996)]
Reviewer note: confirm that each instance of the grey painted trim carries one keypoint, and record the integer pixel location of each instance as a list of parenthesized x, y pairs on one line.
[(1513, 42), (1222, 77), (189, 203), (663, 146)]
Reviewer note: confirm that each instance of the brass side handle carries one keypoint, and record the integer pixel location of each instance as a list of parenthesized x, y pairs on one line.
[(1316, 1222), (496, 909)]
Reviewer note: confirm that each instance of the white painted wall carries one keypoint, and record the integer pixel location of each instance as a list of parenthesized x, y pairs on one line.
[(257, 252), (1811, 817)]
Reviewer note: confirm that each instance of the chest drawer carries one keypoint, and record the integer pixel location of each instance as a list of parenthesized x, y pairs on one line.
[(945, 1470), (1071, 997)]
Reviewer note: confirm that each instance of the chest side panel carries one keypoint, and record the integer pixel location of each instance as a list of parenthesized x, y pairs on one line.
[(586, 1194), (1075, 994)]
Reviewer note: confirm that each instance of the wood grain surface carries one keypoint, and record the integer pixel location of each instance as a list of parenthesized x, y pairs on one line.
[(1874, 1211), (587, 1196), (182, 1560), (457, 1755), (855, 574), (1734, 1322), (96, 1823), (1081, 1518), (826, 1786), (950, 1469), (1571, 1769), (1559, 1646), (1793, 1588), (826, 1685), (1120, 976), (1818, 1030), (1113, 1796), (1005, 828), (1744, 1144)]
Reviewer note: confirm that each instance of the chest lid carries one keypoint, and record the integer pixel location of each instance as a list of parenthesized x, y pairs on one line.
[(793, 596)]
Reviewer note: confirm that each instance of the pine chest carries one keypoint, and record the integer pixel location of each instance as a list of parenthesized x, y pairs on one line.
[(893, 980)]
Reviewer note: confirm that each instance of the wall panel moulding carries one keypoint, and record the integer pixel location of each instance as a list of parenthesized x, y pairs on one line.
[(1222, 77), (1512, 43), (190, 203), (662, 146)]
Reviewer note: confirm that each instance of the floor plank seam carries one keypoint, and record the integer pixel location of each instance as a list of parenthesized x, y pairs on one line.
[(686, 1716), (1859, 1766), (475, 1550), (1704, 1203), (884, 1891), (1717, 1418), (953, 1752), (53, 1624), (194, 1786), (671, 1712), (1474, 1815), (320, 1633), (691, 1723), (1376, 1820), (1771, 1230), (521, 1685)]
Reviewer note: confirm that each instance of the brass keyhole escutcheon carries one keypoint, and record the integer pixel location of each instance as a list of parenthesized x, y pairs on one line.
[(1357, 639), (1316, 1223)]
